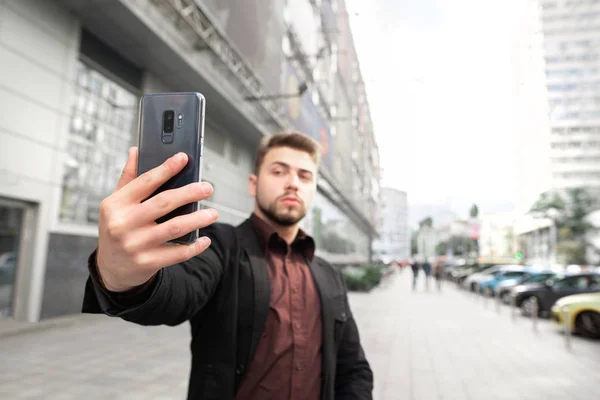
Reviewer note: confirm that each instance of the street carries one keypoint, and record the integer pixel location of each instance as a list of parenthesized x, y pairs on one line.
[(421, 345)]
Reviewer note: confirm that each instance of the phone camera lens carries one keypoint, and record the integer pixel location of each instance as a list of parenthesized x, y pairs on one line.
[(168, 122)]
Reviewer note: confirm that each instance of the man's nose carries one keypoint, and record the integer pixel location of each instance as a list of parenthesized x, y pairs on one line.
[(292, 181)]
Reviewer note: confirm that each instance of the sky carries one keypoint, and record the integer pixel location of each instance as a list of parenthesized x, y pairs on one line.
[(439, 84)]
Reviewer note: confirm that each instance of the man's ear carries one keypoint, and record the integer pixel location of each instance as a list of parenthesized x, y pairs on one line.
[(252, 180)]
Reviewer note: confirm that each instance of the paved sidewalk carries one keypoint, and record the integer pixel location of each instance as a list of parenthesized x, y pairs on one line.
[(422, 345), (452, 345)]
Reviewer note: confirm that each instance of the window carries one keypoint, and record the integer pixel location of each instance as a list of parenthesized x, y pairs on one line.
[(540, 278), (101, 129), (574, 282)]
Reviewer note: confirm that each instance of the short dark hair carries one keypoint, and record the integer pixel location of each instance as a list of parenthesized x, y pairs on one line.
[(294, 140)]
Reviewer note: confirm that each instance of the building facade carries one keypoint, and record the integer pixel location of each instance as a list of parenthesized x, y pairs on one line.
[(497, 236), (571, 32), (394, 239), (70, 81), (427, 241), (535, 239)]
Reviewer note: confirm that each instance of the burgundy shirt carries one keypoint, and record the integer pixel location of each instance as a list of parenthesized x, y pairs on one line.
[(287, 362)]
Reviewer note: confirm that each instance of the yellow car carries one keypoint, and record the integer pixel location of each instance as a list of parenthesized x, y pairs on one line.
[(584, 313)]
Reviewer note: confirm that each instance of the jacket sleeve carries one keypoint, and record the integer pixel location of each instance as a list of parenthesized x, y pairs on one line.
[(174, 295), (354, 378)]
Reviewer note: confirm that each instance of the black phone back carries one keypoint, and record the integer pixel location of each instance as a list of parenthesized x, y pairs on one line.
[(171, 123)]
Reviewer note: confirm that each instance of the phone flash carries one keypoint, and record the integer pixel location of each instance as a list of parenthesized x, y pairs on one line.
[(179, 120)]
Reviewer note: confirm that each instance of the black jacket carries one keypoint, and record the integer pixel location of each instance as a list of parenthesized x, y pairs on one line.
[(225, 293)]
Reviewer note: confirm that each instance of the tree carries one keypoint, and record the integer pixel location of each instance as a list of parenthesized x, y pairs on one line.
[(441, 249), (459, 245), (414, 247), (426, 222), (568, 211), (336, 244), (474, 211), (473, 244)]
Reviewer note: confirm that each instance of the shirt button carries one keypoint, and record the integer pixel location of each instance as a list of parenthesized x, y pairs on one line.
[(297, 325), (299, 367), (294, 289)]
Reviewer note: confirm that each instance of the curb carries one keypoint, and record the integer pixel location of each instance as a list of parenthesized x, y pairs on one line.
[(10, 328)]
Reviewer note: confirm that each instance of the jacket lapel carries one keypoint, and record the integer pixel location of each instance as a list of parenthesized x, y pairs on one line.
[(260, 280), (323, 283)]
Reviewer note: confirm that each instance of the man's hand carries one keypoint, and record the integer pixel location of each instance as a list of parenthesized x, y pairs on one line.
[(131, 246)]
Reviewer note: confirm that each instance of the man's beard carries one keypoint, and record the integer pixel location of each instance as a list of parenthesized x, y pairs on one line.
[(280, 218)]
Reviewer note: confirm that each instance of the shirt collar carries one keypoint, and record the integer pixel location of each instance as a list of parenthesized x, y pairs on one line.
[(265, 232)]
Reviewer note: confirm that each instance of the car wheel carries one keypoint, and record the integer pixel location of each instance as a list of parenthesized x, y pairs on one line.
[(588, 324), (527, 306)]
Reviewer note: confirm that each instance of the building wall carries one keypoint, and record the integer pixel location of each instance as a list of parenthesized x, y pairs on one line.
[(496, 238), (394, 241), (38, 49), (535, 238)]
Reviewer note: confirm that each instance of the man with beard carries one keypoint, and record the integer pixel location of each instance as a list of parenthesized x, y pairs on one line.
[(269, 319)]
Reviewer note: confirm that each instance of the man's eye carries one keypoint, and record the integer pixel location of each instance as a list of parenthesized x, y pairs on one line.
[(277, 172)]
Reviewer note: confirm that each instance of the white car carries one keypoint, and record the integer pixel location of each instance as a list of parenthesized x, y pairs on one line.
[(473, 281)]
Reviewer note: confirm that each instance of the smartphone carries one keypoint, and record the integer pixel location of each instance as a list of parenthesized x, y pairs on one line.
[(170, 123)]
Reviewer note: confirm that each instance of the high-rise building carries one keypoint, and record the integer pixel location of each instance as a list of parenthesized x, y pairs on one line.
[(394, 239), (571, 30)]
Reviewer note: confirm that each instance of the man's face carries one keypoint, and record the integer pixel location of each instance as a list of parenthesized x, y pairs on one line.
[(285, 186)]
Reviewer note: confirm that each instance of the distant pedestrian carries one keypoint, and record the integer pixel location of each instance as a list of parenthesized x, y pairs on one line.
[(415, 266), (427, 270), (438, 273)]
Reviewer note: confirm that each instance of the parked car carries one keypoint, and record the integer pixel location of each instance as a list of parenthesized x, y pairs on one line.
[(548, 292), (503, 289), (461, 274), (473, 281), (511, 273), (584, 313)]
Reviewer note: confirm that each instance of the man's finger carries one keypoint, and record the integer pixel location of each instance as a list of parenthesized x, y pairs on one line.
[(166, 255), (167, 201), (144, 185), (130, 170), (180, 226)]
